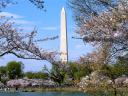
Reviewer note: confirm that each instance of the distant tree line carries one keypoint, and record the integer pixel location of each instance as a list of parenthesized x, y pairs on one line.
[(70, 73), (36, 75), (73, 72), (14, 70)]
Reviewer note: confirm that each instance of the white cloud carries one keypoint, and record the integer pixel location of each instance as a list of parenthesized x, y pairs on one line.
[(16, 18), (19, 20), (49, 28), (23, 22), (7, 14), (79, 46), (27, 28)]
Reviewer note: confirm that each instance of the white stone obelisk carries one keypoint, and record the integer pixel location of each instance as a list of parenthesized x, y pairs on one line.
[(63, 38)]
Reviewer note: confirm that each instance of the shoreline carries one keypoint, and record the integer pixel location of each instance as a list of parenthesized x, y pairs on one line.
[(58, 89), (92, 92), (41, 89)]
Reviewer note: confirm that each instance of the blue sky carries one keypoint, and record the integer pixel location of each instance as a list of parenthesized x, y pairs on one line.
[(27, 16)]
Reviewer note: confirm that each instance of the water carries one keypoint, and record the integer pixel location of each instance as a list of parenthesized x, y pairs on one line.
[(42, 94), (61, 94)]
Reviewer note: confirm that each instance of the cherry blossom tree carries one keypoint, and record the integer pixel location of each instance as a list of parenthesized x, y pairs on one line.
[(38, 3), (109, 27), (86, 9), (24, 46)]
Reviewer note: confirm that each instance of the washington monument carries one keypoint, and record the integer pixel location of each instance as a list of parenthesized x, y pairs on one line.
[(63, 38)]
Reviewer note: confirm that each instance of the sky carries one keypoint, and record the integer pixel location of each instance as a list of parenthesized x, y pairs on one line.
[(47, 23)]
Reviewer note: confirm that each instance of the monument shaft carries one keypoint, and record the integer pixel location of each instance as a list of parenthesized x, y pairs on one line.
[(63, 38)]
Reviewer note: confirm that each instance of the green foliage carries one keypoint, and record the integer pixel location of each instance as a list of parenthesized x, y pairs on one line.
[(58, 73), (29, 75), (36, 75), (3, 70), (121, 67), (118, 69), (64, 73), (15, 69), (3, 74), (79, 70)]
